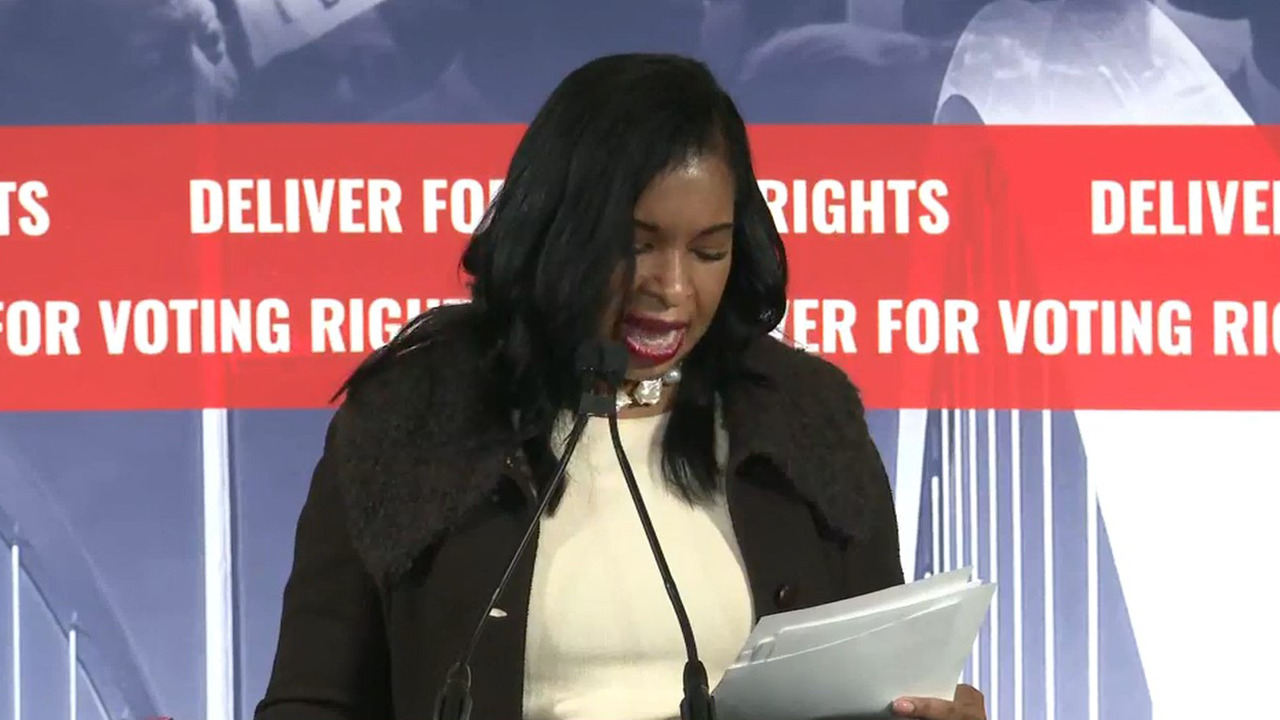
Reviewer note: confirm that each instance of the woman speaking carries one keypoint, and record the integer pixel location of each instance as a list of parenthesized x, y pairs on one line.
[(630, 214)]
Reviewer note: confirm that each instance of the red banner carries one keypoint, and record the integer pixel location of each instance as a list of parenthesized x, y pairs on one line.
[(242, 266)]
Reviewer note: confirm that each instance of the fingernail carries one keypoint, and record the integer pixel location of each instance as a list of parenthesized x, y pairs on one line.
[(904, 706)]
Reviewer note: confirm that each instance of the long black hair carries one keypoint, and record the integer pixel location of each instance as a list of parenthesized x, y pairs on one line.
[(542, 262)]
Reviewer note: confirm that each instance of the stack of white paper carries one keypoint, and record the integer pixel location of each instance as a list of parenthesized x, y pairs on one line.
[(853, 658)]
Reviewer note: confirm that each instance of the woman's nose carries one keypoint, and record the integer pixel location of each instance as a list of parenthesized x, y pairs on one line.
[(667, 276)]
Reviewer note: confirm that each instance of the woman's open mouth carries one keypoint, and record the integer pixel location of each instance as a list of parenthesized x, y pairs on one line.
[(651, 340)]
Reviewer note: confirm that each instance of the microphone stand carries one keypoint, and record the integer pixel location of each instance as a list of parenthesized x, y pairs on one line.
[(697, 703), (602, 369)]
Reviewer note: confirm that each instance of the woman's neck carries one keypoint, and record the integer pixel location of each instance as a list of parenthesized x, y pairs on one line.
[(643, 411)]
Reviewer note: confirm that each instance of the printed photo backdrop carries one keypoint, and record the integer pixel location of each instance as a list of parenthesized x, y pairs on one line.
[(211, 209)]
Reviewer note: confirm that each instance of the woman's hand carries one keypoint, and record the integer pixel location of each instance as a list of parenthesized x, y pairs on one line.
[(967, 705)]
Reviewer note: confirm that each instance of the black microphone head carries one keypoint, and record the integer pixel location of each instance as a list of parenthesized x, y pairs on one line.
[(615, 362), (590, 357), (605, 361)]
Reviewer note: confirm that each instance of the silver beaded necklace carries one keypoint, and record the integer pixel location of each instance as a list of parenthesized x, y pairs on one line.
[(648, 392)]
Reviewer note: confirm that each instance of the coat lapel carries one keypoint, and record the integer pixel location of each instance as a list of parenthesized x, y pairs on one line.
[(805, 418), (423, 446)]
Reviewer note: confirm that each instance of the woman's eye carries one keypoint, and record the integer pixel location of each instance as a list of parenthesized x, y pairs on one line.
[(710, 255)]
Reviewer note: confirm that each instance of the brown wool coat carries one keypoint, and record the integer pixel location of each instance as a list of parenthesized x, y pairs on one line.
[(415, 508)]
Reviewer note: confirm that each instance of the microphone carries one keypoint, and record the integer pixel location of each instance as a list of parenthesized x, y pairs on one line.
[(601, 368), (697, 703)]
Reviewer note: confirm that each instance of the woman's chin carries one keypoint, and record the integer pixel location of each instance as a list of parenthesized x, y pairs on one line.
[(644, 368)]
